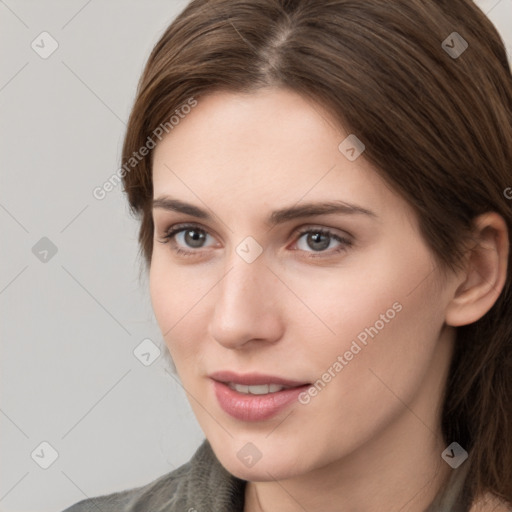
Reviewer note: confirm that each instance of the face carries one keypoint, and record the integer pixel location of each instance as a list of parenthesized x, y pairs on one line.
[(344, 302)]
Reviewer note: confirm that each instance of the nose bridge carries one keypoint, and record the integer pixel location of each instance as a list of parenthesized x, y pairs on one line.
[(243, 287), (244, 308)]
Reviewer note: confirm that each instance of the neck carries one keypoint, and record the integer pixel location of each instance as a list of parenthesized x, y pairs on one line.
[(380, 483)]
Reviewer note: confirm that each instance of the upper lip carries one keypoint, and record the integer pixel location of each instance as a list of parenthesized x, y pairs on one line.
[(253, 379)]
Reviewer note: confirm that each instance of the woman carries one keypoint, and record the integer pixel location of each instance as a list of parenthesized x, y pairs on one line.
[(325, 205)]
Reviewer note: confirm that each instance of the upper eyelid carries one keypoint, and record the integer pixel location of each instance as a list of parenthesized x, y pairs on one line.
[(300, 231), (182, 226)]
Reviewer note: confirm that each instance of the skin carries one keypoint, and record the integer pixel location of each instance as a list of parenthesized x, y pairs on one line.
[(371, 439)]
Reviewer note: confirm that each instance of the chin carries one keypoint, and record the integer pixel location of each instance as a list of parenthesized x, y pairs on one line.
[(268, 468), (261, 472)]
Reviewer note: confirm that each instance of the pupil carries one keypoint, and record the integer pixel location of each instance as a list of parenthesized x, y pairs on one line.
[(316, 238), (198, 238)]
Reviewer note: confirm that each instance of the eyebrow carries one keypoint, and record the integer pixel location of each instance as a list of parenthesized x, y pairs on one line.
[(277, 216)]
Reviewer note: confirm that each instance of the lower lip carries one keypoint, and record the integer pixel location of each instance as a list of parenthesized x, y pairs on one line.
[(247, 407)]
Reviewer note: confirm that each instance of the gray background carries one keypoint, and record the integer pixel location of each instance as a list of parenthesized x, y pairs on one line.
[(69, 325)]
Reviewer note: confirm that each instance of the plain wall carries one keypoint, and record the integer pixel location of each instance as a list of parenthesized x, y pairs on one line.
[(70, 324)]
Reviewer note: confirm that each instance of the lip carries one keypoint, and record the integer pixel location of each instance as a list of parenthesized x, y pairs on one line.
[(247, 407), (253, 379)]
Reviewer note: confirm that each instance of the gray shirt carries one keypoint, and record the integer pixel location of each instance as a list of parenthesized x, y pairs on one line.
[(203, 485)]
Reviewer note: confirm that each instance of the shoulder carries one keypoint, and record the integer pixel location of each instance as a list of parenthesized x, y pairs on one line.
[(490, 503), (128, 500), (200, 481)]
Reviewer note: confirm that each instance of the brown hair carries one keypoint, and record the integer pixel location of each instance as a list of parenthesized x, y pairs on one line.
[(437, 127)]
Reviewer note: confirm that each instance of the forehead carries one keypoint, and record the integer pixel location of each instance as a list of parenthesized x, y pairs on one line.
[(268, 123), (272, 146)]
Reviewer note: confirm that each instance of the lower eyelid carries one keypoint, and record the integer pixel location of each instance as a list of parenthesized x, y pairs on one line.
[(343, 242), (333, 235)]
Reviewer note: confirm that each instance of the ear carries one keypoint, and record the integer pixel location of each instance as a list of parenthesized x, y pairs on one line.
[(485, 272)]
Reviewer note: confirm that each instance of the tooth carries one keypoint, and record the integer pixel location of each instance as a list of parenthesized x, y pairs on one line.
[(258, 390), (262, 389), (242, 388)]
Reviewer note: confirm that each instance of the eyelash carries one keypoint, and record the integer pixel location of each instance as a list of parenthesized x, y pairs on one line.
[(174, 230)]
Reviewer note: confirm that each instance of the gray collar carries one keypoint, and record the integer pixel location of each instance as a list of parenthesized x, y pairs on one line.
[(208, 486)]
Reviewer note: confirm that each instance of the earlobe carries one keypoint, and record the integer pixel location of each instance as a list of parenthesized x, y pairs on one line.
[(485, 272)]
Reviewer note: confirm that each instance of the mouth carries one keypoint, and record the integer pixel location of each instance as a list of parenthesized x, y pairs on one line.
[(254, 397), (262, 389), (255, 380)]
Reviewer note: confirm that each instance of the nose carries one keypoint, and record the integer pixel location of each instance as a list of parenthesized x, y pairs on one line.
[(247, 308)]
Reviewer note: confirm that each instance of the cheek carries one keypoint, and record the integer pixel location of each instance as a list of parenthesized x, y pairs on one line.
[(382, 315), (172, 290), (178, 301), (163, 300), (337, 304)]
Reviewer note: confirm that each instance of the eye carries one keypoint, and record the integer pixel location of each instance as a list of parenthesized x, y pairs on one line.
[(319, 239), (192, 237), (187, 235)]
